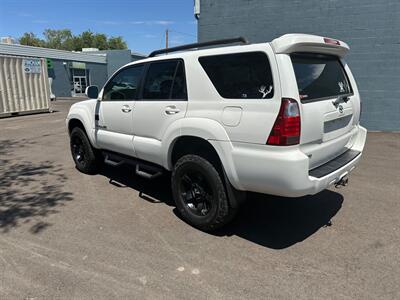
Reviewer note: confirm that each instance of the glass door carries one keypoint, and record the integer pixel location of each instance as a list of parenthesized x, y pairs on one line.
[(80, 82)]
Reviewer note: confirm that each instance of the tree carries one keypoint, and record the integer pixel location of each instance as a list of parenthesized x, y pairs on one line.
[(58, 39), (77, 43), (64, 39), (116, 43), (100, 41), (86, 39), (30, 39)]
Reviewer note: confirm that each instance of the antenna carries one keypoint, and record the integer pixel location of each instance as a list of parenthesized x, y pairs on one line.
[(166, 38)]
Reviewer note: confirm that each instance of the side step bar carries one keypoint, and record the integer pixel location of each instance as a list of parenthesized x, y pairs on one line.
[(142, 168), (111, 162), (147, 171)]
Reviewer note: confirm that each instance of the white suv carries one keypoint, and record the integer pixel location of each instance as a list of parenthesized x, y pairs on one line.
[(280, 118)]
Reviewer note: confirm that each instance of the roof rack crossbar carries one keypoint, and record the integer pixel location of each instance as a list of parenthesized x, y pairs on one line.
[(240, 40)]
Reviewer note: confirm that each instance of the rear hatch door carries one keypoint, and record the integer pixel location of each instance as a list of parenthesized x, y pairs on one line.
[(328, 105)]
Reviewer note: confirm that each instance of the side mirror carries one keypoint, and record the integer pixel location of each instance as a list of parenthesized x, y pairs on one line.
[(92, 91)]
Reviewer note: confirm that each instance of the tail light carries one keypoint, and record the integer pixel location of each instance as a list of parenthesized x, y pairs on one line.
[(286, 130)]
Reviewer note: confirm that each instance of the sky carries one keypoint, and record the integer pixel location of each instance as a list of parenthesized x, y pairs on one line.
[(142, 23)]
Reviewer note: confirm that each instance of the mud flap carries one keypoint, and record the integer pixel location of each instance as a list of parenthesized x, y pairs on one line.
[(236, 198)]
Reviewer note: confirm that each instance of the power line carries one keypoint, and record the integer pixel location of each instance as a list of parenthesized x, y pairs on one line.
[(184, 33)]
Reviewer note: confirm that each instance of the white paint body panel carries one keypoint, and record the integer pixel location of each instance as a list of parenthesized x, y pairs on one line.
[(114, 129), (237, 129), (157, 116)]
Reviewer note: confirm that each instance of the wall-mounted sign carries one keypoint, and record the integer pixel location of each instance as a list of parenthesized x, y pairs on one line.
[(78, 65), (32, 66)]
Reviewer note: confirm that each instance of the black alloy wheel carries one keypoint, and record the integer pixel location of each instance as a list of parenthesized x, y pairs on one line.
[(199, 193), (86, 158), (196, 192)]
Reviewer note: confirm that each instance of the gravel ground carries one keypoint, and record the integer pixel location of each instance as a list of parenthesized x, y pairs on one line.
[(67, 235)]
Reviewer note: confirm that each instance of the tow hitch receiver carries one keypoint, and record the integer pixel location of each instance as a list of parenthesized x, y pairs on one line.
[(342, 182)]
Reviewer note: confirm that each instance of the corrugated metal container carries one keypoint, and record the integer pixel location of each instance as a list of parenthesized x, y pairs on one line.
[(24, 85)]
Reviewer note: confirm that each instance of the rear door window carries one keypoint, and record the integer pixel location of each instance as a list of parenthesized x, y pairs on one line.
[(165, 81), (240, 76), (319, 77)]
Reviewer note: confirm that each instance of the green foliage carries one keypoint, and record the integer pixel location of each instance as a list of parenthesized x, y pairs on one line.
[(100, 41), (58, 39), (63, 39), (116, 43), (30, 39)]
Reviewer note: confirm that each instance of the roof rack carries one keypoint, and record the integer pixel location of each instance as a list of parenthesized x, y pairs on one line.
[(240, 40)]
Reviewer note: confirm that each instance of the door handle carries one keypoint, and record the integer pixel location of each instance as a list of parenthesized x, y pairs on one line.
[(172, 110), (126, 109)]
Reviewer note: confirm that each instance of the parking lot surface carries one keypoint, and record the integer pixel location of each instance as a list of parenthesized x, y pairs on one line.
[(67, 235)]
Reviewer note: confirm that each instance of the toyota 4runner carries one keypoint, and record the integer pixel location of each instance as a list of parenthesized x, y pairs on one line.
[(279, 118)]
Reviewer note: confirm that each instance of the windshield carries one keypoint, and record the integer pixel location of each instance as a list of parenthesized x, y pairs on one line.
[(319, 77)]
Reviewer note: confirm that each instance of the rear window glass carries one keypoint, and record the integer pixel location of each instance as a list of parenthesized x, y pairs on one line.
[(240, 76), (319, 76)]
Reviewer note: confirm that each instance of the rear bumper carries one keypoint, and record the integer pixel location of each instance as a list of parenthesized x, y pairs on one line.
[(334, 164), (285, 172)]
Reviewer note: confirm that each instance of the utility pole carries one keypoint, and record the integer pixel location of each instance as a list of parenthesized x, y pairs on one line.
[(166, 39)]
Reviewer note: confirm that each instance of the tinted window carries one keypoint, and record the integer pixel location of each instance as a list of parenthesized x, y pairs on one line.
[(243, 75), (319, 76), (124, 85), (165, 80), (179, 87)]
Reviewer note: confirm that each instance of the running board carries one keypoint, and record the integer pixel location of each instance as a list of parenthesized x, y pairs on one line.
[(147, 171), (111, 162), (142, 168)]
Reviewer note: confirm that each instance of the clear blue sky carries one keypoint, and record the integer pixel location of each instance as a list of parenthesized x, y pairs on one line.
[(142, 23)]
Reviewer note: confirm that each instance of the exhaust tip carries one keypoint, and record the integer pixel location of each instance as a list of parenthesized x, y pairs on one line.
[(342, 182)]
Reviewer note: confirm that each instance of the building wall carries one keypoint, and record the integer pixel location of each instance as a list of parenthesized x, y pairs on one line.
[(370, 27), (99, 64), (60, 86), (61, 74), (97, 73), (116, 59)]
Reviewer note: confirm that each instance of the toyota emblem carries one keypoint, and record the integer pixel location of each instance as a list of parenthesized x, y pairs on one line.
[(340, 109)]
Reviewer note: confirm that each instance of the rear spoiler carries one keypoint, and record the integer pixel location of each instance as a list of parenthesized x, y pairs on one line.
[(296, 42)]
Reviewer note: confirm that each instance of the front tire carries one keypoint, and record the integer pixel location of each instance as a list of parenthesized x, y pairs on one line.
[(85, 157), (200, 194)]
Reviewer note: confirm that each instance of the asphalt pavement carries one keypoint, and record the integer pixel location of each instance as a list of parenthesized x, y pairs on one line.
[(67, 235)]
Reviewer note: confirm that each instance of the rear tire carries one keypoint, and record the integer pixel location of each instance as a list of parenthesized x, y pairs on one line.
[(200, 194), (86, 158)]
